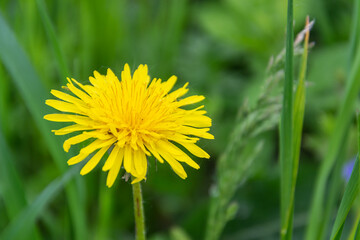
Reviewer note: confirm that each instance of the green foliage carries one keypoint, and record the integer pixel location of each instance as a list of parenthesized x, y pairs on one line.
[(50, 32), (34, 95), (243, 147), (247, 24), (221, 48), (351, 192), (22, 224), (316, 225), (287, 128), (297, 127), (11, 187)]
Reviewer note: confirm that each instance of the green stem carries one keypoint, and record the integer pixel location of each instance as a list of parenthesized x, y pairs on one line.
[(138, 212), (286, 134)]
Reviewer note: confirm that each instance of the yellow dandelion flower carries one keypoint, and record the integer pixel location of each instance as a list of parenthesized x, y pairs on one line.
[(132, 119)]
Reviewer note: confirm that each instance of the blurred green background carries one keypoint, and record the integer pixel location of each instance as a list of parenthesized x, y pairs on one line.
[(222, 48)]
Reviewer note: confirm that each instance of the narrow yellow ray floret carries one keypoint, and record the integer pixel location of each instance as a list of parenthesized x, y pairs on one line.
[(131, 119)]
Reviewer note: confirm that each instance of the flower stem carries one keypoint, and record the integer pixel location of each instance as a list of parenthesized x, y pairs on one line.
[(138, 212)]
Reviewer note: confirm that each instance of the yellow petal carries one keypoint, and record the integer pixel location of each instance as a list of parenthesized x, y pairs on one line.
[(94, 81), (91, 164), (70, 129), (63, 106), (165, 146), (140, 143), (199, 132), (111, 159), (196, 150), (136, 180), (111, 77), (154, 153), (76, 159), (190, 100), (178, 93), (199, 121), (75, 140), (140, 74), (99, 76), (98, 81), (128, 159), (87, 88), (140, 163), (66, 97), (98, 143), (126, 74), (82, 120), (100, 134), (92, 91), (79, 93), (175, 165), (114, 171), (58, 117), (177, 137), (169, 84)]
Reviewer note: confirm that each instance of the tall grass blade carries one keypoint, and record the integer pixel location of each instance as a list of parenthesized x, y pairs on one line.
[(21, 225), (50, 32), (316, 224), (286, 132), (11, 187), (106, 203), (334, 187), (354, 228), (4, 94), (355, 32), (34, 94), (298, 118), (351, 192), (357, 233)]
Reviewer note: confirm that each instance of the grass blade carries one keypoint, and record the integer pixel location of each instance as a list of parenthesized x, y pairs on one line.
[(28, 216), (11, 187), (106, 203), (334, 187), (316, 223), (4, 94), (50, 32), (357, 233), (298, 118), (355, 227), (351, 192), (34, 94), (286, 132), (355, 32)]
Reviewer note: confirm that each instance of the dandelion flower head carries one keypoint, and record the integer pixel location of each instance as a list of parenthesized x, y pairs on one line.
[(131, 119)]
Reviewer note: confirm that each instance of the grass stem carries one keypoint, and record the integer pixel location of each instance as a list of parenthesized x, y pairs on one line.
[(286, 129)]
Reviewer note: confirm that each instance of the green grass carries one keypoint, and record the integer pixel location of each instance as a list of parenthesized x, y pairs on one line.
[(50, 33), (297, 127), (287, 163), (351, 192), (20, 227), (316, 228), (222, 49), (34, 95), (12, 187)]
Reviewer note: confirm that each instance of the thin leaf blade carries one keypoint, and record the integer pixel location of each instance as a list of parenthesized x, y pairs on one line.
[(34, 94)]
